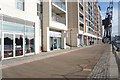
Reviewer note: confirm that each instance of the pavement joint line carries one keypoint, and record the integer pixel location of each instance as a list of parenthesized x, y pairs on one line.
[(41, 57)]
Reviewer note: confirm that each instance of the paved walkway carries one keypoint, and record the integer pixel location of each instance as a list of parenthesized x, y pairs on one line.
[(35, 57), (106, 68), (93, 62), (73, 64)]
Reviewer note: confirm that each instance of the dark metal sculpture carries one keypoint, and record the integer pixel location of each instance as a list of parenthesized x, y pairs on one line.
[(107, 23)]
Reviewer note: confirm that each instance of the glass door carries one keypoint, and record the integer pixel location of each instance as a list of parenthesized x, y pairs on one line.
[(55, 43), (12, 45), (8, 45), (18, 45), (51, 43)]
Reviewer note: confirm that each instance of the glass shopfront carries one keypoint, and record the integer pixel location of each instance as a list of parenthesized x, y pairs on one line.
[(55, 40), (55, 43), (0, 36), (18, 38), (29, 40)]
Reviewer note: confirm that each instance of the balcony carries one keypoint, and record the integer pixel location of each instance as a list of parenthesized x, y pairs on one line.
[(81, 10), (58, 18), (81, 20), (81, 2), (81, 28), (60, 4)]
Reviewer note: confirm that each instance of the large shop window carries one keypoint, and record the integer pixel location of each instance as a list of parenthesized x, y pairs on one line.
[(13, 27), (27, 30), (29, 40), (0, 36)]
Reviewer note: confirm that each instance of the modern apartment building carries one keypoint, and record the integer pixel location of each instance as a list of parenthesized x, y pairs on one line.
[(28, 27), (19, 28), (54, 25), (84, 23)]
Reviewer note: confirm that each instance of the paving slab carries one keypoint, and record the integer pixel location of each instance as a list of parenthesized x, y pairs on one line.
[(73, 64)]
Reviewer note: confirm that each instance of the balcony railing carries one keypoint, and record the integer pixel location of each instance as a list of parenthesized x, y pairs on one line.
[(58, 18), (60, 4), (81, 19), (81, 28), (81, 10), (81, 2)]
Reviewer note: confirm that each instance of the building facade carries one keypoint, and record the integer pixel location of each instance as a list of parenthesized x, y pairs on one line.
[(54, 25), (84, 23), (28, 27), (19, 28)]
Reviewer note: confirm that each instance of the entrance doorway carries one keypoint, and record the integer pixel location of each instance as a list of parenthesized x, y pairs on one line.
[(13, 45), (55, 43)]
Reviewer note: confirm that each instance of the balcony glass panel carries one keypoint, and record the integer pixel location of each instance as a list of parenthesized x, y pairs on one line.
[(58, 18), (81, 10), (81, 2), (81, 28), (81, 19), (60, 4)]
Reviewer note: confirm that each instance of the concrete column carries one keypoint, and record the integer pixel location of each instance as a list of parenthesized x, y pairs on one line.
[(45, 27), (63, 40), (73, 23)]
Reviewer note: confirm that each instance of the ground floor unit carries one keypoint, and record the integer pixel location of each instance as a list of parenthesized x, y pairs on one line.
[(22, 37), (17, 37), (81, 38)]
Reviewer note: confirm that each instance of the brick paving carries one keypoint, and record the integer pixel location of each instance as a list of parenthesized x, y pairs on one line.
[(102, 70), (91, 62)]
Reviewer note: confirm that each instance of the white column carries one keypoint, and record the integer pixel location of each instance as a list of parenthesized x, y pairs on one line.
[(37, 37), (63, 40)]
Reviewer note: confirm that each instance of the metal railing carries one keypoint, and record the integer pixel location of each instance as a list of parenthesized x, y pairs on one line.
[(58, 18), (60, 4), (116, 52)]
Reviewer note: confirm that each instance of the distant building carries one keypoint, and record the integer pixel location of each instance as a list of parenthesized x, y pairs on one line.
[(84, 23)]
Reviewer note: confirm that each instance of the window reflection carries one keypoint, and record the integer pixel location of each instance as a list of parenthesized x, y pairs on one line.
[(0, 39), (8, 45), (19, 45), (29, 40)]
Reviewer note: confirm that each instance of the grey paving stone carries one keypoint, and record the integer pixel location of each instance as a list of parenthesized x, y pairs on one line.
[(106, 68)]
